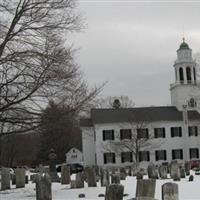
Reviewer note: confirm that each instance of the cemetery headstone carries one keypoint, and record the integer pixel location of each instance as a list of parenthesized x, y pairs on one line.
[(115, 179), (170, 191), (114, 192), (105, 177), (20, 177), (191, 178), (65, 174), (79, 180), (5, 179), (163, 172), (91, 176)]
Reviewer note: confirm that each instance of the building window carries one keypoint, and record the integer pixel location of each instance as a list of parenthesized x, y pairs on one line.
[(144, 156), (177, 154), (161, 155), (194, 153), (176, 132), (109, 158), (125, 134), (108, 135), (194, 73), (192, 131), (126, 157), (159, 132), (142, 133)]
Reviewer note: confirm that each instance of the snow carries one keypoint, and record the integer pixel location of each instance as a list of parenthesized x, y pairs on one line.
[(187, 190)]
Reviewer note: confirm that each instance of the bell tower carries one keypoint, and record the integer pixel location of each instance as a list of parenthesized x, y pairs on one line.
[(184, 91)]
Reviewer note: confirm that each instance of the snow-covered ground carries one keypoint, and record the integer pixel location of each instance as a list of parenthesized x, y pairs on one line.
[(187, 190)]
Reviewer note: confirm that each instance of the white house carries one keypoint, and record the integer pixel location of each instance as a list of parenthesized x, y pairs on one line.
[(74, 156), (169, 132)]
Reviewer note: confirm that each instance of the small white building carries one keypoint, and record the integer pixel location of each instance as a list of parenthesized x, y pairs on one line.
[(74, 156), (168, 132)]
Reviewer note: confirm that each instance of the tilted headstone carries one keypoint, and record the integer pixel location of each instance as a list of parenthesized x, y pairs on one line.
[(115, 179), (79, 180), (43, 187), (105, 177), (163, 172), (170, 191), (91, 176), (5, 179), (114, 192), (139, 175), (65, 174), (20, 177), (146, 188)]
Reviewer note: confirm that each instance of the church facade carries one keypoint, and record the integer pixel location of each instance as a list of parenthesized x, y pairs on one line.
[(124, 136)]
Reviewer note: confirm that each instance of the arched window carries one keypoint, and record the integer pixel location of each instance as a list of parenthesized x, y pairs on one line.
[(192, 103), (194, 73), (181, 74), (188, 72)]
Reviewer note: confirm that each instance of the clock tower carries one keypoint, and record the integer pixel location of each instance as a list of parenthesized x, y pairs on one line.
[(184, 91)]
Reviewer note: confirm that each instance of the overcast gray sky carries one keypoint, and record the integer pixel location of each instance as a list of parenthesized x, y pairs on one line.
[(132, 45)]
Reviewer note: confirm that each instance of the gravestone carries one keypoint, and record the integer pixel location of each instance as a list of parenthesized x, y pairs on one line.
[(52, 166), (139, 175), (20, 177), (152, 171), (13, 178), (182, 172), (91, 176), (43, 187), (146, 188), (79, 180), (170, 191), (105, 177), (163, 172), (191, 178), (65, 174), (26, 179), (5, 179), (187, 168), (175, 170), (114, 192), (73, 184), (115, 179), (122, 174)]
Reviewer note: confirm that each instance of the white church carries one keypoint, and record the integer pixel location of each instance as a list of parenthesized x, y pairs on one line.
[(120, 136)]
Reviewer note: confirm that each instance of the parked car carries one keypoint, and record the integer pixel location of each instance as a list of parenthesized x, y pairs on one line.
[(74, 168)]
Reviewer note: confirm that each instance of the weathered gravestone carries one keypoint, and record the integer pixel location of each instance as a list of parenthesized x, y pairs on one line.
[(5, 179), (91, 176), (26, 179), (52, 166), (65, 174), (146, 188), (43, 187), (73, 184), (170, 191), (163, 172), (152, 171), (114, 192), (191, 178), (122, 174), (13, 178), (187, 168), (105, 177), (79, 180), (139, 175), (182, 172), (115, 179), (175, 170), (20, 177)]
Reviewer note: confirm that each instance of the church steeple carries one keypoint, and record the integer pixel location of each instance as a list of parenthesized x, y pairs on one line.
[(184, 88)]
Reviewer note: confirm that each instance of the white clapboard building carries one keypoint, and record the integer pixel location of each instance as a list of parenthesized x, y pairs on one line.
[(166, 132)]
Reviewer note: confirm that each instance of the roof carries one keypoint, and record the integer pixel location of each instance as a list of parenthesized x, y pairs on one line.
[(184, 45), (138, 114)]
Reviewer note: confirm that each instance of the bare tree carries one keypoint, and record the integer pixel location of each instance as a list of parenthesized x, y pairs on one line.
[(137, 138), (35, 65)]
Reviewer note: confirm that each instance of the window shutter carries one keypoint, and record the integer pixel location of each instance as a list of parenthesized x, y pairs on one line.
[(104, 157), (104, 135), (197, 153), (163, 132), (196, 131), (156, 155), (147, 133), (113, 155), (148, 156), (189, 131), (173, 155), (180, 132), (131, 157), (122, 157), (172, 132), (181, 154), (155, 133), (113, 136), (165, 155), (140, 156), (121, 134)]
